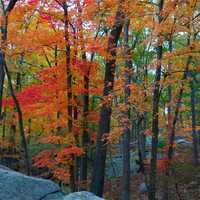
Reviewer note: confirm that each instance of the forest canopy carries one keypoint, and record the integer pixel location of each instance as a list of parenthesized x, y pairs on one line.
[(86, 85)]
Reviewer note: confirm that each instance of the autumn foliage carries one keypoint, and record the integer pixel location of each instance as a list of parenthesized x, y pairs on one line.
[(58, 54)]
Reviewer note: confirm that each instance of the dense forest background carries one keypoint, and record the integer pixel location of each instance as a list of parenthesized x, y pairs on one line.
[(103, 95)]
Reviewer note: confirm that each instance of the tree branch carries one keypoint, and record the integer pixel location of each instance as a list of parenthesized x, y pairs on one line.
[(11, 5)]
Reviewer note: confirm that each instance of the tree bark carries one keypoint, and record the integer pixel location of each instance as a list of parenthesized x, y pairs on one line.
[(4, 19), (2, 76), (155, 114), (4, 71), (85, 136), (20, 122), (194, 134), (169, 121), (69, 92), (4, 23), (176, 113), (97, 183), (126, 126), (68, 69)]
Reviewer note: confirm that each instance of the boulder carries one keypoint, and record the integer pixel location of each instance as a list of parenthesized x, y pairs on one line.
[(82, 196), (143, 188), (4, 167), (56, 196), (16, 186), (114, 166)]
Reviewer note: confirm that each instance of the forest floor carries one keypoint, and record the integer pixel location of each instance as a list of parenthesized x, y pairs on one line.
[(184, 181), (177, 191)]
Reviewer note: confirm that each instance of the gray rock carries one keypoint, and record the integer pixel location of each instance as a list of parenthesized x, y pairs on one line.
[(4, 167), (143, 188), (16, 186), (82, 196), (114, 166), (56, 196)]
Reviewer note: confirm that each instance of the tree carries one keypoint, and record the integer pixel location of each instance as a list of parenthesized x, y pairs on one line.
[(126, 117), (105, 112), (155, 110), (5, 10), (4, 70), (194, 135)]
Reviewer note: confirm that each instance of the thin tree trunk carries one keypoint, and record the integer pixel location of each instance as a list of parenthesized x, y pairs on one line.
[(178, 103), (68, 69), (126, 163), (97, 183), (126, 126), (4, 124), (13, 128), (76, 158), (20, 122), (3, 67), (2, 76), (4, 22), (155, 115), (172, 125), (85, 136), (176, 113), (194, 135), (69, 90), (169, 121), (172, 129), (86, 101), (141, 145)]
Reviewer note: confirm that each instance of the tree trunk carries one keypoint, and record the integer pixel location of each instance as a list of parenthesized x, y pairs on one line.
[(4, 19), (69, 91), (155, 115), (4, 24), (20, 122), (172, 125), (169, 125), (85, 136), (194, 135), (176, 113), (68, 69), (2, 76), (4, 71), (126, 126), (97, 183)]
